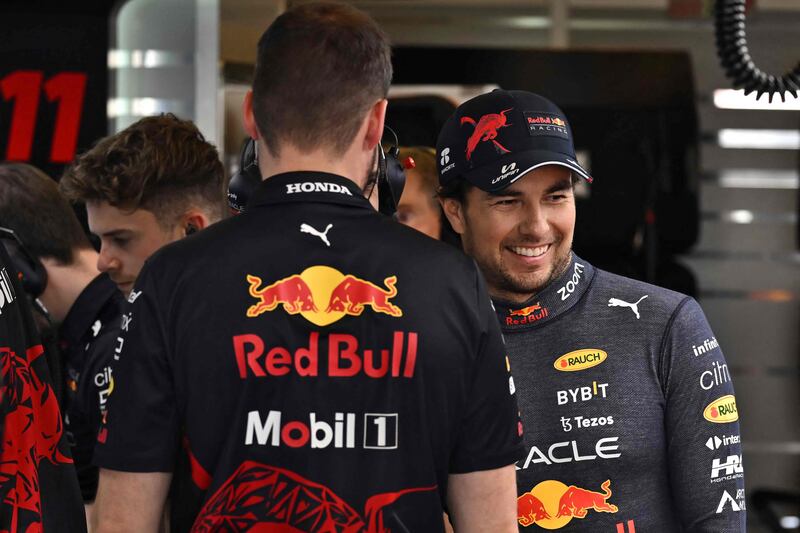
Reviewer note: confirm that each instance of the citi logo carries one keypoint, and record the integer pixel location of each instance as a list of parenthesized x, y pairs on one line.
[(6, 290), (293, 188), (445, 156)]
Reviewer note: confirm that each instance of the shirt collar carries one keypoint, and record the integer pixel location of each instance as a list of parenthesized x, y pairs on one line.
[(87, 307), (308, 186), (557, 298)]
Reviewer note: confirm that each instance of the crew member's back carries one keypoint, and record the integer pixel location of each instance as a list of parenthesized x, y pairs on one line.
[(323, 378)]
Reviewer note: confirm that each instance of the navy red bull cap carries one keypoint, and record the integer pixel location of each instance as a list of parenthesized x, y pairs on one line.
[(496, 138)]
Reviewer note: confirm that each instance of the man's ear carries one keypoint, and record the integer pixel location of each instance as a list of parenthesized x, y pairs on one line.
[(193, 221), (454, 211), (375, 119), (248, 118)]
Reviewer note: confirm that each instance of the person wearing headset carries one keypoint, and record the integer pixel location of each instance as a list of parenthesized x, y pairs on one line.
[(310, 364), (154, 182), (60, 269), (37, 478)]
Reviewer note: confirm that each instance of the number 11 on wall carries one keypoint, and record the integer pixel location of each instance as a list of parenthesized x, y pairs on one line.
[(23, 88)]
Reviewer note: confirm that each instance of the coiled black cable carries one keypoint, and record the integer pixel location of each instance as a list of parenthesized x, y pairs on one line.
[(729, 25)]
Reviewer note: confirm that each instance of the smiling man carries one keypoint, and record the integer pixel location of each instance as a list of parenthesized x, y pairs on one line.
[(151, 184), (630, 417)]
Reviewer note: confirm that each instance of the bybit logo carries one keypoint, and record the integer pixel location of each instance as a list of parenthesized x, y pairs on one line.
[(582, 394)]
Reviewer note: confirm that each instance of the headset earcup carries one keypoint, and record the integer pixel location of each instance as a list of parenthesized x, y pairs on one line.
[(246, 180), (391, 182), (30, 270)]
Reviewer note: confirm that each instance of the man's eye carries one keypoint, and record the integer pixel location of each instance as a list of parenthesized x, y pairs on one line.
[(506, 201), (120, 241)]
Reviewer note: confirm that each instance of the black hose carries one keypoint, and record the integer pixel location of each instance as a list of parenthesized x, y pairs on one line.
[(729, 25)]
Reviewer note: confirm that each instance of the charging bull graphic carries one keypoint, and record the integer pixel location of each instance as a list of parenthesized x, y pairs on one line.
[(292, 292), (32, 433), (577, 501), (552, 504), (352, 294), (530, 509), (525, 311), (308, 292), (262, 498), (486, 130)]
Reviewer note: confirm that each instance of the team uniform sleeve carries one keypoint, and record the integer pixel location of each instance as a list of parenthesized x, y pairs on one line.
[(141, 432), (703, 439), (85, 412), (490, 435)]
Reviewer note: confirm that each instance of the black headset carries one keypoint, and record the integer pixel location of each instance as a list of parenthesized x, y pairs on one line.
[(25, 266), (391, 177)]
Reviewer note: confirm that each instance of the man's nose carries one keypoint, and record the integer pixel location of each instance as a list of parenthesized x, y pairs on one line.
[(106, 261)]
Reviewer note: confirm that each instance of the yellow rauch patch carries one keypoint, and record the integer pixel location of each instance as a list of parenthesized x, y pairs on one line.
[(580, 360), (722, 410)]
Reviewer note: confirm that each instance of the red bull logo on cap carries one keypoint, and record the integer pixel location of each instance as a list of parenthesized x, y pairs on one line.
[(552, 505), (342, 295)]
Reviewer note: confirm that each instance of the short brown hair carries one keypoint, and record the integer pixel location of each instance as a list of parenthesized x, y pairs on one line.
[(32, 207), (162, 164), (319, 68)]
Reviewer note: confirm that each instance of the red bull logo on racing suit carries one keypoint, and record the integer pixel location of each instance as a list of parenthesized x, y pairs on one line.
[(552, 505)]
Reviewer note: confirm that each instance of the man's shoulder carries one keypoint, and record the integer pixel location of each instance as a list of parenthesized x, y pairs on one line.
[(621, 291)]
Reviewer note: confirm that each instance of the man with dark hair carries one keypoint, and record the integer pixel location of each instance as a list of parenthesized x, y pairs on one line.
[(634, 422), (83, 303), (155, 182), (337, 371), (37, 479)]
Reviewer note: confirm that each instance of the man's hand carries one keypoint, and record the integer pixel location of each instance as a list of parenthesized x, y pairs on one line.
[(130, 501), (484, 501)]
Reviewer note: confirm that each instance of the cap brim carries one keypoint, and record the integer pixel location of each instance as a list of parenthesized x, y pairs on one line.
[(491, 178)]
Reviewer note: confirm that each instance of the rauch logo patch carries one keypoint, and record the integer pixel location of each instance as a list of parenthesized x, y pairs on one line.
[(580, 360), (722, 410)]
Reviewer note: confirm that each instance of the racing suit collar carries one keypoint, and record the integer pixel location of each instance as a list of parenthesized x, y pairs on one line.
[(554, 300), (308, 186)]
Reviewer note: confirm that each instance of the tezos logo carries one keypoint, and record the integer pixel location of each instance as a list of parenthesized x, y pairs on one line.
[(580, 360), (722, 410)]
